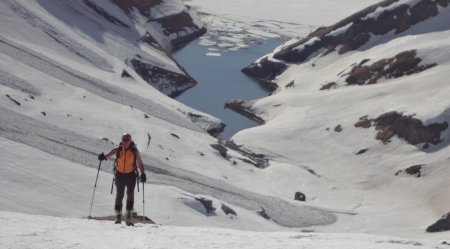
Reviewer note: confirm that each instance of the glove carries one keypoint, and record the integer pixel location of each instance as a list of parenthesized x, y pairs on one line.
[(101, 157), (143, 178)]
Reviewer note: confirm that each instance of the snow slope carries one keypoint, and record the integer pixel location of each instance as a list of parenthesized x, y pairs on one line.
[(315, 129), (63, 101), (69, 110), (38, 232)]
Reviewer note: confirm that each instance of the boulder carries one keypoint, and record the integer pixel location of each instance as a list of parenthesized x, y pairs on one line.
[(208, 204), (299, 196), (415, 170), (441, 225)]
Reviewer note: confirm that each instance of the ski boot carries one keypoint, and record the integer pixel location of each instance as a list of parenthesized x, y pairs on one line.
[(118, 218), (129, 218)]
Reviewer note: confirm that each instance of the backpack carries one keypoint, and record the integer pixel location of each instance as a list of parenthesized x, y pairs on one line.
[(133, 150)]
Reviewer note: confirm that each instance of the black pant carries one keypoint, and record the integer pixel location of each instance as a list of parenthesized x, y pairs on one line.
[(122, 181)]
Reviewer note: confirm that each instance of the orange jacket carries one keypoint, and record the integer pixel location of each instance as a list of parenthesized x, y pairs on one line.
[(126, 161)]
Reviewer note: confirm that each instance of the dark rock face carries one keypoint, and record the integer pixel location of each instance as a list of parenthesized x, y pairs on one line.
[(360, 29), (265, 69), (166, 81), (404, 63), (243, 108), (415, 170), (99, 10), (181, 25), (125, 74), (354, 32), (441, 225), (221, 149), (178, 24), (208, 204), (142, 5), (406, 127)]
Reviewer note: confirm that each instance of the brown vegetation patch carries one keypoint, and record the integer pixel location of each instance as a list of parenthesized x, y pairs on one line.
[(411, 129), (404, 63)]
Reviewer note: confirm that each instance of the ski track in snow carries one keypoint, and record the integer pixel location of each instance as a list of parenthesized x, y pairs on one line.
[(83, 150)]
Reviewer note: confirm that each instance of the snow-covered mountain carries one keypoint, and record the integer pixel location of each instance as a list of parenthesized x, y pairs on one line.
[(358, 124), (363, 105)]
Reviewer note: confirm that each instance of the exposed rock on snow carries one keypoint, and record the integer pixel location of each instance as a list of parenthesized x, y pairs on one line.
[(208, 204), (136, 218), (408, 128), (356, 30), (213, 126), (244, 108), (441, 225), (168, 82), (258, 160), (265, 69), (411, 129), (415, 170), (228, 211), (349, 34), (168, 18), (404, 63)]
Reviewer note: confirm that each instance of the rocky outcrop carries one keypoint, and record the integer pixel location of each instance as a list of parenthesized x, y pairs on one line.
[(404, 63), (351, 33), (411, 129), (441, 225), (243, 108), (356, 30), (265, 69), (179, 26), (415, 170), (258, 160), (214, 128), (208, 204), (168, 82), (165, 25), (228, 211)]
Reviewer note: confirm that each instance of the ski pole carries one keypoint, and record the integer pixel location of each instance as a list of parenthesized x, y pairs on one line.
[(137, 182), (143, 204), (112, 184), (95, 186)]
